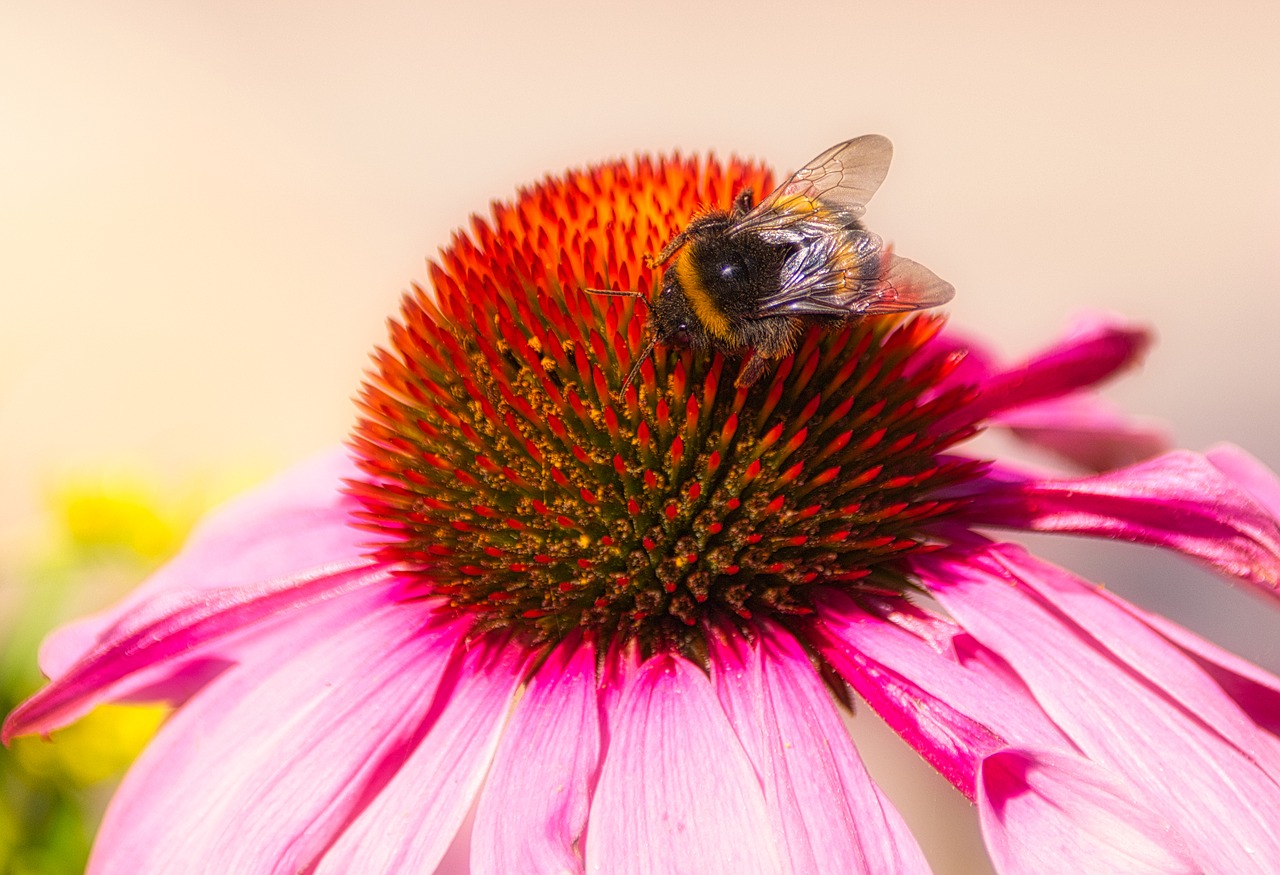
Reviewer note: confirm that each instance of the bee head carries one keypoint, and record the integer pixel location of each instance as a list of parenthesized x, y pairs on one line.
[(671, 321), (671, 318)]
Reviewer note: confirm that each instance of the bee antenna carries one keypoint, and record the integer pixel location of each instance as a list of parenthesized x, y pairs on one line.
[(619, 293), (635, 367)]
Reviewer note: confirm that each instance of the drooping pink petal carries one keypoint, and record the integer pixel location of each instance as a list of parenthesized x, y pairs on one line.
[(1179, 501), (533, 809), (671, 750), (293, 528), (294, 523), (1043, 814), (1249, 474), (1255, 691), (821, 800), (175, 629), (952, 702), (1220, 802), (413, 820), (1076, 425), (258, 772), (1086, 430), (1117, 626), (1097, 348)]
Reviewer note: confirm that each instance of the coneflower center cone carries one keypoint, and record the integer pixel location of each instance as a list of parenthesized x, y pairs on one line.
[(505, 474)]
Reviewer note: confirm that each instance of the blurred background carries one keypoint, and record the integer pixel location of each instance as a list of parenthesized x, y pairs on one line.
[(208, 210)]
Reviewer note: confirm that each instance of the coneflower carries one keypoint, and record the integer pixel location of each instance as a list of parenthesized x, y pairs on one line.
[(618, 625)]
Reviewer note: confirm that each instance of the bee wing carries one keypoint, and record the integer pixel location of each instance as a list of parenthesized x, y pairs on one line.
[(850, 278), (907, 285), (841, 180)]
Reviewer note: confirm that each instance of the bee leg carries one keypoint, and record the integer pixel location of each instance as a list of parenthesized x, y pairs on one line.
[(778, 341), (756, 366), (717, 219), (656, 261), (742, 203)]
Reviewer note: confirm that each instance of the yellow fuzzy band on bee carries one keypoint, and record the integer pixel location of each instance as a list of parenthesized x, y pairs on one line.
[(695, 291)]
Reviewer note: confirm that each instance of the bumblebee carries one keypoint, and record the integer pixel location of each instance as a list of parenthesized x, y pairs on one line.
[(754, 277)]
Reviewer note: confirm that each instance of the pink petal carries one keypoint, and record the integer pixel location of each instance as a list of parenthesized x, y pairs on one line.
[(259, 771), (1249, 474), (621, 663), (1095, 350), (414, 818), (949, 701), (1086, 430), (821, 799), (295, 523), (677, 793), (1220, 802), (1066, 420), (291, 532), (1117, 626), (533, 809), (1179, 501), (973, 360), (1255, 691), (1057, 813), (167, 634)]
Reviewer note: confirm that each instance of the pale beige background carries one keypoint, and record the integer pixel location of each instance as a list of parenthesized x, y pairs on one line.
[(207, 209)]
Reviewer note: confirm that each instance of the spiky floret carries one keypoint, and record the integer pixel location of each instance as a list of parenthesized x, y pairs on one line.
[(503, 474)]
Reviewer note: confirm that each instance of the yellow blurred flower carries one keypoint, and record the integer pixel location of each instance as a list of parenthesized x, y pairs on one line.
[(101, 531), (96, 515), (95, 748)]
